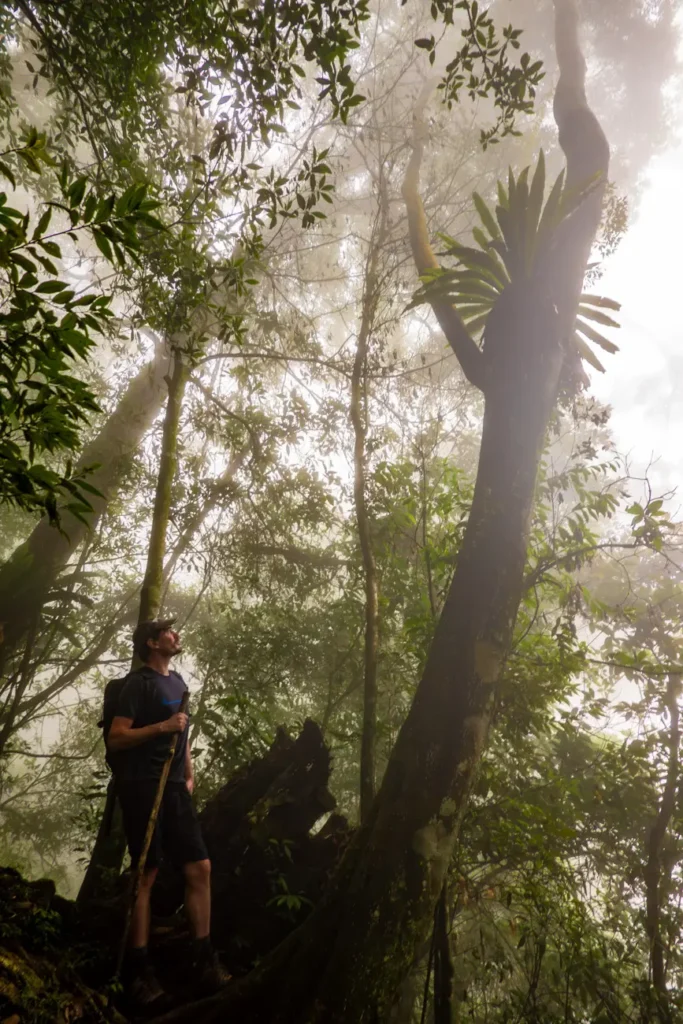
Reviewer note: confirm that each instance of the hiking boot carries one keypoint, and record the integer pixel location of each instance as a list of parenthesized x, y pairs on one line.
[(144, 990), (212, 975)]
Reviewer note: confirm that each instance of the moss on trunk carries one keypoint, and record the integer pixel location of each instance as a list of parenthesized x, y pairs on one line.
[(150, 594)]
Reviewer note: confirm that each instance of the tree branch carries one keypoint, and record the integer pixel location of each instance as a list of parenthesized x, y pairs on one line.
[(469, 355), (299, 556)]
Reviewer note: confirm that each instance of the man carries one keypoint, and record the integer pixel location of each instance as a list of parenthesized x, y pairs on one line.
[(147, 717)]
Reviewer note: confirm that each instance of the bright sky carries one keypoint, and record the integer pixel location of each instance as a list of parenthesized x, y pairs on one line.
[(644, 381)]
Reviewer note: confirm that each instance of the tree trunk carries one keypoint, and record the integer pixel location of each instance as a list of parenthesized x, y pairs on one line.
[(443, 963), (653, 867), (150, 594), (110, 846), (358, 413), (104, 866), (347, 960), (26, 578), (28, 575), (127, 614)]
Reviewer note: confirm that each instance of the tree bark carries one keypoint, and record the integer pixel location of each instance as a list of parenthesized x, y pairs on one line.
[(653, 868), (127, 614), (358, 414), (347, 960), (150, 594), (28, 575), (443, 963)]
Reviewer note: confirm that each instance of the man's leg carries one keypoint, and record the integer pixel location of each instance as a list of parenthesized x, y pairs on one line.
[(186, 848), (198, 897), (140, 980), (140, 921), (209, 972)]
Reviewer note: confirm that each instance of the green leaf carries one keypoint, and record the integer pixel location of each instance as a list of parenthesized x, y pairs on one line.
[(601, 302), (43, 224), (83, 485), (595, 314), (7, 173), (534, 210), (50, 246), (23, 262), (47, 287), (551, 215), (76, 191), (519, 211), (478, 324), (486, 216), (485, 263), (29, 159), (596, 337), (587, 353), (102, 243)]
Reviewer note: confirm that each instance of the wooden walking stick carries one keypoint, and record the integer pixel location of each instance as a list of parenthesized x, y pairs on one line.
[(151, 824)]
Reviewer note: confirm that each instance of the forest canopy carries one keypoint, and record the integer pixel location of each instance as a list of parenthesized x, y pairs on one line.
[(302, 313)]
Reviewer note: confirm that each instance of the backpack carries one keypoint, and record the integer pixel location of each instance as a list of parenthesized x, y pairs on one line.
[(112, 693)]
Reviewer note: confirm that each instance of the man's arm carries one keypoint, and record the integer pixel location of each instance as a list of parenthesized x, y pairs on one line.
[(122, 735), (189, 770)]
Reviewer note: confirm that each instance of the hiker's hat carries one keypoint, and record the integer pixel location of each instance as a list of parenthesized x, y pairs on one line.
[(149, 630)]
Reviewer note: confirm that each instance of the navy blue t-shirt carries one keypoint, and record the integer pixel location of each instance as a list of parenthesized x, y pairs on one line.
[(148, 697)]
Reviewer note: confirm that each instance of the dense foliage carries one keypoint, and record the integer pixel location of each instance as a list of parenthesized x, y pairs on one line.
[(221, 185)]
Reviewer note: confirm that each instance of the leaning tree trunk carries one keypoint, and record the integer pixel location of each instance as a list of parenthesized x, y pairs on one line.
[(346, 962), (127, 614), (28, 575)]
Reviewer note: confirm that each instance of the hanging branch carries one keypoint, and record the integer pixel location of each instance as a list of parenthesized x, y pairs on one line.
[(467, 352)]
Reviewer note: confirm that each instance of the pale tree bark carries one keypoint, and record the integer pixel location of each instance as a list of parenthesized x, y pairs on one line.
[(29, 574), (346, 962), (359, 420)]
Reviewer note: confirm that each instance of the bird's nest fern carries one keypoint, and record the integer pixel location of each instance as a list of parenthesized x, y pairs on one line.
[(511, 242)]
